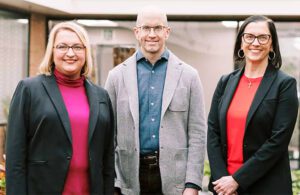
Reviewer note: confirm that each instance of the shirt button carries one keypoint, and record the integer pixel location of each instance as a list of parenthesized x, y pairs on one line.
[(152, 103), (152, 119), (153, 136), (152, 87), (153, 71)]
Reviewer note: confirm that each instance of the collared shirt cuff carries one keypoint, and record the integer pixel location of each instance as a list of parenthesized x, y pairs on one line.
[(192, 185)]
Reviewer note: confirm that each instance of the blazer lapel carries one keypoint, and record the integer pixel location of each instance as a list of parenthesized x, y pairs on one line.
[(173, 73), (57, 100), (130, 80), (227, 97), (94, 102), (261, 92)]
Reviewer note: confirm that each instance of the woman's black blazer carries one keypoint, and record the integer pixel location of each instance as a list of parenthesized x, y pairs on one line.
[(39, 141), (269, 127)]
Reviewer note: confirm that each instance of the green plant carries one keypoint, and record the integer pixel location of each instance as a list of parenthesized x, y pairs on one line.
[(2, 183), (296, 181), (5, 105), (206, 168), (2, 179)]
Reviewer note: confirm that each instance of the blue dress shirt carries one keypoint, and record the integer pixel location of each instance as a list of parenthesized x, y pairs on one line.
[(151, 80)]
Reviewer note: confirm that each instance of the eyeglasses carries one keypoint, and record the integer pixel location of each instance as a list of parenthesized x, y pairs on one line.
[(262, 39), (147, 29), (63, 48)]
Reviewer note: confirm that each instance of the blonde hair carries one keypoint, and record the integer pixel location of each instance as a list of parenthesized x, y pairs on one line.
[(47, 64)]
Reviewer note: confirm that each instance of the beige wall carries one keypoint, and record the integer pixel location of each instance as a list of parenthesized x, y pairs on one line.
[(212, 61)]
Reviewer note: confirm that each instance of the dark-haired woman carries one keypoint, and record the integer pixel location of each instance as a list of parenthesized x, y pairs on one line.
[(252, 117)]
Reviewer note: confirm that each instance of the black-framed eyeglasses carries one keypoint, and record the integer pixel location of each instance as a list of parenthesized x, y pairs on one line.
[(262, 39), (64, 48), (147, 29)]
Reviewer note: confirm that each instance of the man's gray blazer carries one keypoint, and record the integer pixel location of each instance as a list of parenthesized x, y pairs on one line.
[(182, 133)]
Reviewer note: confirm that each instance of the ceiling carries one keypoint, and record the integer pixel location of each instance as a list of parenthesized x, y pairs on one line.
[(176, 9)]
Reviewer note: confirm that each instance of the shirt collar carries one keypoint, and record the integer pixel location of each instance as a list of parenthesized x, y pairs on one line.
[(165, 55)]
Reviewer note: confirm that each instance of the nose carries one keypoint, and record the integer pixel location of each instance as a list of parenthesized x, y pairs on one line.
[(152, 33), (255, 42), (70, 52)]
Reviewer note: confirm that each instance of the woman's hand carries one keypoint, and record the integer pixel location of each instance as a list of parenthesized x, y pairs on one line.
[(225, 185)]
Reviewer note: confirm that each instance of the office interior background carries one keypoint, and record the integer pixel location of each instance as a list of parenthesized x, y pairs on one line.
[(202, 34)]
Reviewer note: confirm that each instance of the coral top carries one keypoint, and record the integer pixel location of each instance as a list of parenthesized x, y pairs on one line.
[(77, 105), (236, 121)]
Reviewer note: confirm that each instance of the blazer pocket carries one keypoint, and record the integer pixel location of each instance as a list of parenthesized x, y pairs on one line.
[(37, 162), (179, 102), (122, 158)]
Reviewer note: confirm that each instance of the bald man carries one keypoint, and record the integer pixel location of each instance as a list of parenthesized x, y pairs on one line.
[(160, 119)]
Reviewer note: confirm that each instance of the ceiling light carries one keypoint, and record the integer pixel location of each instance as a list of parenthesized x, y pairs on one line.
[(230, 24), (98, 23), (22, 21)]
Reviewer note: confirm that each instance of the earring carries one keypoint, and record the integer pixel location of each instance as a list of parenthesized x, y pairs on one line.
[(241, 54), (272, 55)]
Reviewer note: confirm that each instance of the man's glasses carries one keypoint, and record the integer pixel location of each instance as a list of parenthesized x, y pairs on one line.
[(262, 39), (147, 29), (63, 48)]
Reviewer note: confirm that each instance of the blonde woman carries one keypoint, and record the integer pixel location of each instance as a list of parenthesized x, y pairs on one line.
[(60, 127)]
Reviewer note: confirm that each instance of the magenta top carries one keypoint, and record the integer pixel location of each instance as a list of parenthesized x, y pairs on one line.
[(77, 105)]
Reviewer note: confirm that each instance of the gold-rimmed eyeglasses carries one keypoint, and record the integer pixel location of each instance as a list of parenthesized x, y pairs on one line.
[(64, 48), (262, 39), (147, 29)]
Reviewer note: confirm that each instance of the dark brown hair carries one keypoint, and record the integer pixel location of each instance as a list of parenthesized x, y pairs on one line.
[(275, 61)]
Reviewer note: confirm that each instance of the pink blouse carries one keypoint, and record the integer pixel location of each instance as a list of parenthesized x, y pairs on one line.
[(77, 105)]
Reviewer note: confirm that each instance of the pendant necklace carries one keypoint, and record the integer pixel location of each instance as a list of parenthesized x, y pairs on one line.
[(249, 83), (252, 81)]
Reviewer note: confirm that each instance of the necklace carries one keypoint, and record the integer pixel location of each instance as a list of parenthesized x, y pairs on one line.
[(252, 81), (249, 83)]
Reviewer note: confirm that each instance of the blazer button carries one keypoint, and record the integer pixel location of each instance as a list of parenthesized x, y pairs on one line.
[(245, 145), (68, 157)]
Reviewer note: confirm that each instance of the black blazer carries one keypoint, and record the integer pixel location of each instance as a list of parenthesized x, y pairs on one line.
[(39, 141), (269, 127)]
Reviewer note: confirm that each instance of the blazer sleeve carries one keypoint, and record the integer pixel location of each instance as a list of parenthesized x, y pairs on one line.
[(109, 158), (214, 146), (273, 148), (16, 145), (196, 133)]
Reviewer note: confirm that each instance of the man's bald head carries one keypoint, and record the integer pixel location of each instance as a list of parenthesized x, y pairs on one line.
[(151, 12)]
